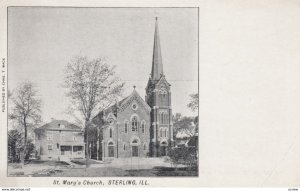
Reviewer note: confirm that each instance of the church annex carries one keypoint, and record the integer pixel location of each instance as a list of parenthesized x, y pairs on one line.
[(134, 127)]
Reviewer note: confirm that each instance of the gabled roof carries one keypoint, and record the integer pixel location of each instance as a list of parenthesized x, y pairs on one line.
[(155, 82), (163, 78), (62, 125), (136, 95), (113, 109)]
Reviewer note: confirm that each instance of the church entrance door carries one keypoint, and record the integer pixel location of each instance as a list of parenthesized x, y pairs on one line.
[(163, 151), (110, 151), (135, 151)]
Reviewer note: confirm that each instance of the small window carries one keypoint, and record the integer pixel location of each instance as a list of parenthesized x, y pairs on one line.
[(49, 136), (126, 127), (161, 132), (134, 106), (110, 133), (143, 127), (124, 147), (111, 121), (77, 148), (49, 147)]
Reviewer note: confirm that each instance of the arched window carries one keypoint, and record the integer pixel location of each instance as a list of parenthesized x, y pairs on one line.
[(165, 132), (110, 133), (166, 118), (124, 147), (134, 124), (126, 127), (143, 127), (162, 118)]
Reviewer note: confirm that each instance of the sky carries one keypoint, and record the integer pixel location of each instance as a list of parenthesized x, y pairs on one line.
[(41, 41)]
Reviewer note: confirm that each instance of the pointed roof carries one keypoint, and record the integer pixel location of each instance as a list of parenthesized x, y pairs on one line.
[(139, 98), (157, 67), (122, 104)]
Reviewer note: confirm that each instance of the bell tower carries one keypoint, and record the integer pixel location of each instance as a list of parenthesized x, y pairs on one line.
[(158, 97)]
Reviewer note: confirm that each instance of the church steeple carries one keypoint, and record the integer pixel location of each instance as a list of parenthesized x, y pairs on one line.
[(157, 67), (158, 97)]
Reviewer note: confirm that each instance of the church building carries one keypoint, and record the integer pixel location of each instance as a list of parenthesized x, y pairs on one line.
[(134, 127)]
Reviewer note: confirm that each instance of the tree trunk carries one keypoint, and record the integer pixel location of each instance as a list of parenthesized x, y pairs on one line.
[(87, 144), (25, 144)]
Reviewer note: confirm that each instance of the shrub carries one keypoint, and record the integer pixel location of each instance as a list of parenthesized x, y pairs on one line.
[(184, 155)]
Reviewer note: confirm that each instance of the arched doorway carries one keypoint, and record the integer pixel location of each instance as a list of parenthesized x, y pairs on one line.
[(163, 148), (111, 152), (135, 148)]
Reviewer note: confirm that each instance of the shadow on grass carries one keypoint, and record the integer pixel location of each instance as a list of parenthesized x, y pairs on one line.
[(49, 163), (48, 172), (163, 171), (83, 162)]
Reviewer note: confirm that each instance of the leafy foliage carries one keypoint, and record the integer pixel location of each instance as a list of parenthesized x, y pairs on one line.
[(183, 124), (14, 143), (15, 146), (184, 155), (194, 103)]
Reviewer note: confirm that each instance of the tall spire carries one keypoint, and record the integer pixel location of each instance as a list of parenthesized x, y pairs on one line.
[(157, 67)]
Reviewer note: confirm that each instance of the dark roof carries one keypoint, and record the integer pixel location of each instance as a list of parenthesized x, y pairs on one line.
[(59, 125)]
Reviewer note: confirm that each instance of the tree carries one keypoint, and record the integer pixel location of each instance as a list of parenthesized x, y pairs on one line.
[(14, 143), (183, 124), (26, 111), (194, 103), (91, 85), (194, 106), (30, 148)]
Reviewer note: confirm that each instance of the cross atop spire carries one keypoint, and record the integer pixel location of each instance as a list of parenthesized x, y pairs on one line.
[(157, 67)]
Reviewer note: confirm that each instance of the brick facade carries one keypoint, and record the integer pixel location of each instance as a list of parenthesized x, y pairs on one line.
[(124, 130), (154, 114)]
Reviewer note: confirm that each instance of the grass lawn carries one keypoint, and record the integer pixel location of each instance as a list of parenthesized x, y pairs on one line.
[(121, 168), (48, 163), (119, 172), (36, 168)]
